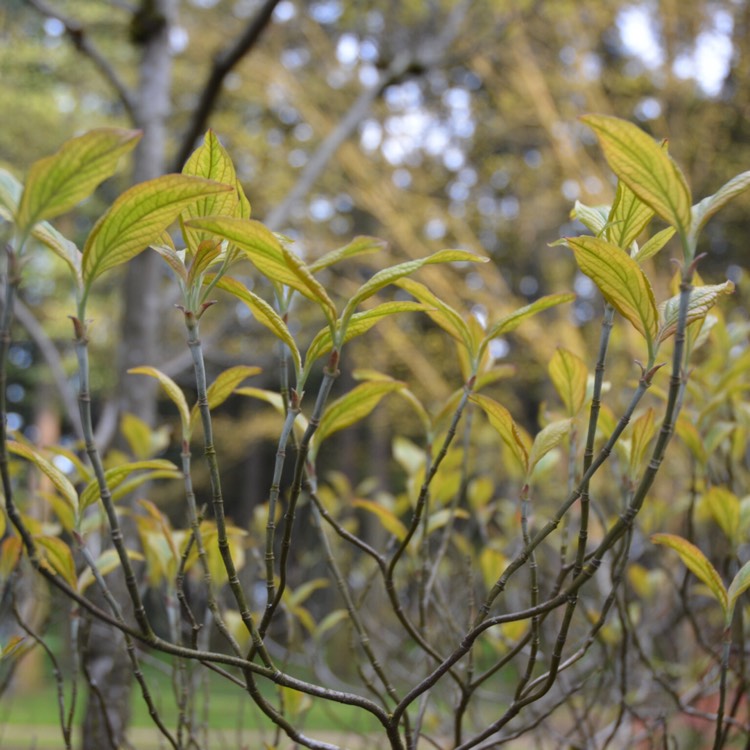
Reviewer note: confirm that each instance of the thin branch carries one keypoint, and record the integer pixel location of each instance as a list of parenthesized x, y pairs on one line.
[(223, 64), (83, 44)]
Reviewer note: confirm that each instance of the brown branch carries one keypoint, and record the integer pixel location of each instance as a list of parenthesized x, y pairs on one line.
[(83, 44), (223, 64)]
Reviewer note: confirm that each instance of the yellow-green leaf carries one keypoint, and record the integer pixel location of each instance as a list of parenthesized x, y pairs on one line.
[(62, 247), (138, 218), (62, 484), (502, 421), (390, 275), (509, 323), (696, 562), (702, 299), (10, 193), (354, 406), (16, 646), (317, 291), (390, 522), (303, 592), (59, 557), (569, 375), (358, 246), (689, 435), (594, 218), (173, 260), (724, 507), (10, 554), (706, 208), (108, 561), (223, 387), (264, 314), (645, 167), (740, 583), (620, 280), (547, 439), (627, 218), (171, 389), (57, 183), (642, 432), (653, 245)]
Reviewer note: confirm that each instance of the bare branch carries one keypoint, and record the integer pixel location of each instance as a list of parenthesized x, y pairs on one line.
[(223, 64), (83, 44)]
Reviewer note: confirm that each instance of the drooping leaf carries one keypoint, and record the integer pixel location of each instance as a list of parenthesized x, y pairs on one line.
[(170, 388), (62, 484), (724, 507), (594, 218), (509, 323), (706, 208), (502, 421), (62, 247), (359, 323), (223, 387), (317, 291), (59, 557), (645, 167), (569, 375), (696, 562), (627, 218), (264, 314), (108, 561), (653, 245), (138, 218), (173, 260), (702, 299), (740, 583), (57, 183), (389, 520), (390, 275), (354, 406), (358, 246), (546, 440), (620, 280)]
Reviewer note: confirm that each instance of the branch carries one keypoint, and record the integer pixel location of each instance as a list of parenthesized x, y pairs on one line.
[(83, 44), (223, 64)]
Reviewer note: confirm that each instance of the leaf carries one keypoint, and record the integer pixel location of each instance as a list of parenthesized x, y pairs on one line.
[(391, 524), (138, 218), (702, 299), (264, 314), (206, 254), (510, 322), (653, 245), (359, 323), (569, 375), (267, 254), (724, 507), (620, 280), (642, 433), (62, 484), (171, 389), (502, 421), (358, 246), (706, 208), (303, 592), (354, 406), (645, 168), (10, 553), (317, 291), (173, 260), (62, 247), (594, 218), (16, 645), (547, 439), (740, 583), (390, 275), (59, 557), (10, 193), (627, 218), (108, 561), (223, 387), (697, 562), (57, 183), (689, 435), (138, 435), (118, 474)]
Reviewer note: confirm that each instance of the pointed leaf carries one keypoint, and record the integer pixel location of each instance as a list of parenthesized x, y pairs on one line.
[(207, 253), (59, 557), (569, 375), (594, 218), (702, 299), (704, 210), (62, 247), (620, 280), (642, 433), (170, 388), (10, 553), (62, 484), (689, 435), (654, 244), (627, 218), (264, 314), (724, 507), (645, 168), (316, 290), (359, 323), (547, 439), (57, 183), (390, 522), (358, 246), (740, 583), (223, 387), (138, 218), (510, 322), (390, 275), (502, 421), (10, 194), (108, 561), (354, 406), (697, 562), (173, 259)]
